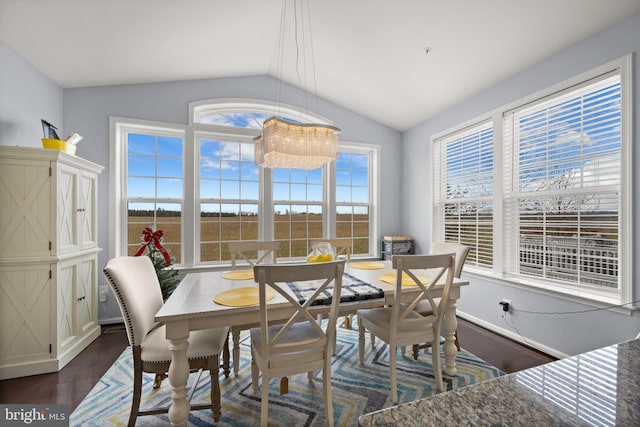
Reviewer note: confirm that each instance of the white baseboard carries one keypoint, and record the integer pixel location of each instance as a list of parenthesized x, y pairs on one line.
[(512, 335), (110, 321)]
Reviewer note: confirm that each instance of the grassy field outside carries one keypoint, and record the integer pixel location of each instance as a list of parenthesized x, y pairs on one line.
[(295, 231)]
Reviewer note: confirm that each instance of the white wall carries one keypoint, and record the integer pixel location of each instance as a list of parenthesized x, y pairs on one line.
[(87, 111), (561, 334), (26, 97)]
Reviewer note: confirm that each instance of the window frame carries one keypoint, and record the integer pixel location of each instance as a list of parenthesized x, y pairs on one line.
[(623, 295), (118, 161), (440, 194), (198, 200), (374, 175), (190, 221)]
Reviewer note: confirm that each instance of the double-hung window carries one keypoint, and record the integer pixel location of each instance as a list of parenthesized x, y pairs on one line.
[(562, 183), (463, 191), (353, 198), (229, 195), (153, 189), (298, 209)]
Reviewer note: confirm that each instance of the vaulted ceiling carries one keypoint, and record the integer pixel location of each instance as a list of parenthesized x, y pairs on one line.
[(368, 55)]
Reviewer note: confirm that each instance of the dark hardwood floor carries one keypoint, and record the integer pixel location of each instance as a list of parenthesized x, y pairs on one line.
[(74, 381)]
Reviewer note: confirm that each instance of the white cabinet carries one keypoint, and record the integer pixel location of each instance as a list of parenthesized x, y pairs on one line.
[(48, 259)]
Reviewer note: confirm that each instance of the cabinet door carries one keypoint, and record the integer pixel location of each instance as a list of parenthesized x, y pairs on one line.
[(66, 278), (26, 225), (25, 313), (67, 199), (87, 210), (86, 285)]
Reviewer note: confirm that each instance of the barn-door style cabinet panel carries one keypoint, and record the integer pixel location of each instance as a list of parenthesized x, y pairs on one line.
[(48, 259)]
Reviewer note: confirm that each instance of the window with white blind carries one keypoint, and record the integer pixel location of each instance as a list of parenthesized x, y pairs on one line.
[(562, 187), (463, 191), (552, 208)]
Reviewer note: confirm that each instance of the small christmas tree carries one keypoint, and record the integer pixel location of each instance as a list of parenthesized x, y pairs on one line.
[(152, 241)]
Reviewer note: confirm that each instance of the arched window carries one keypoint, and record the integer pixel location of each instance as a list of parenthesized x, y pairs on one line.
[(220, 195)]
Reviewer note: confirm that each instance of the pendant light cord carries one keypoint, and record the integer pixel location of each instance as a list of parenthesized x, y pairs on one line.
[(302, 26)]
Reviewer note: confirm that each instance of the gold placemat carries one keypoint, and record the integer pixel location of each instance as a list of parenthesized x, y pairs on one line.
[(406, 280), (238, 275), (241, 297), (367, 265)]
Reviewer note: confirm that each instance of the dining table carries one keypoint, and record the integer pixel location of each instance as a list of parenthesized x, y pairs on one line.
[(192, 306)]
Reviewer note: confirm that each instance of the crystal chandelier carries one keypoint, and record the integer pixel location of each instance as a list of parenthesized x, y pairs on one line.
[(287, 144)]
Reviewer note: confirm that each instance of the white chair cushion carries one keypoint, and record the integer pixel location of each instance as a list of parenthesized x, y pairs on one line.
[(301, 343), (202, 344), (424, 308), (381, 317)]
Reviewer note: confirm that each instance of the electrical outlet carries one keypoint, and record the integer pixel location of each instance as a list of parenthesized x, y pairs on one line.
[(506, 304), (102, 294)]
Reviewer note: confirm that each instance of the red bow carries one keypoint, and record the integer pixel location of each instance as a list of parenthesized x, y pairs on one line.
[(155, 237)]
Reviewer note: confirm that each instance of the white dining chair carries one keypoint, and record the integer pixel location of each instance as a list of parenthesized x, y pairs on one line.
[(401, 325), (251, 253), (341, 247), (300, 344), (460, 251), (135, 285)]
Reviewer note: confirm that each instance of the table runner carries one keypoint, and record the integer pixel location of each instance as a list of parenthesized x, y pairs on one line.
[(353, 289)]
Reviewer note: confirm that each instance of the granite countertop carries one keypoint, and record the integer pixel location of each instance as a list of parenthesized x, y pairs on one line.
[(600, 387)]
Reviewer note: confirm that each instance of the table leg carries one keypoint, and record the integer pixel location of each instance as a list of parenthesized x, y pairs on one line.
[(450, 327), (178, 377)]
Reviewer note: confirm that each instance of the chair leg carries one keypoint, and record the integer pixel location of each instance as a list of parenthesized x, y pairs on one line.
[(213, 366), (326, 388), (137, 386), (225, 358), (393, 355), (361, 342), (347, 322), (254, 375), (264, 404), (416, 350), (437, 371), (284, 385), (455, 334), (157, 382)]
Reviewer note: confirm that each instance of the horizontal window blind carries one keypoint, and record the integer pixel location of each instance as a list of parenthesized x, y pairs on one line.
[(562, 158), (463, 189)]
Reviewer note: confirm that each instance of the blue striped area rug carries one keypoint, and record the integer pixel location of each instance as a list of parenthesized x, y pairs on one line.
[(356, 389)]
